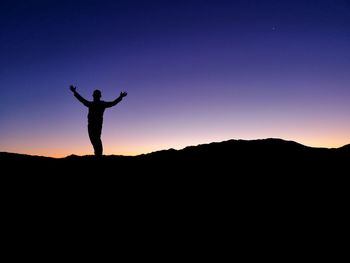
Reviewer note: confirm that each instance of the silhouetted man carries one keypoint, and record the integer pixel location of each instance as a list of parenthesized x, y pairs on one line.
[(95, 116)]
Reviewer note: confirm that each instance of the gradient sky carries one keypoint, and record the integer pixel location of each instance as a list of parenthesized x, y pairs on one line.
[(195, 72)]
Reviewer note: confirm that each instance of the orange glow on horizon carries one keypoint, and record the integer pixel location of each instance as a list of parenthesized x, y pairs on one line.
[(133, 150)]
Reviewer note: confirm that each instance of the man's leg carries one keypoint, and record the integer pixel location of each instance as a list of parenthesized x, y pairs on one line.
[(95, 138), (98, 147)]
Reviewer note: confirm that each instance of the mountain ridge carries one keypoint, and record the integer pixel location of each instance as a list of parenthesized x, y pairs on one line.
[(272, 167), (258, 143)]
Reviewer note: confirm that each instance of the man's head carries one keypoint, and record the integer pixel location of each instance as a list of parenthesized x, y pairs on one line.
[(97, 94)]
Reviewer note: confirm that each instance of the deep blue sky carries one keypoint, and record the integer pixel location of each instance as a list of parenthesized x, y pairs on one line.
[(195, 71)]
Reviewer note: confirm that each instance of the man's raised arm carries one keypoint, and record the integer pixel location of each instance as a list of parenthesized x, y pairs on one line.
[(117, 100), (78, 96)]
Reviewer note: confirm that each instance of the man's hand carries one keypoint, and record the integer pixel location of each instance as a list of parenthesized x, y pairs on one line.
[(72, 88), (123, 94)]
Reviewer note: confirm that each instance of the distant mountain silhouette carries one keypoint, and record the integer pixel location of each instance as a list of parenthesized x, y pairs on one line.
[(264, 156), (268, 186)]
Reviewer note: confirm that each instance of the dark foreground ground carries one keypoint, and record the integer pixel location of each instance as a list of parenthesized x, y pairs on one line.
[(238, 171), (258, 191), (230, 170)]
